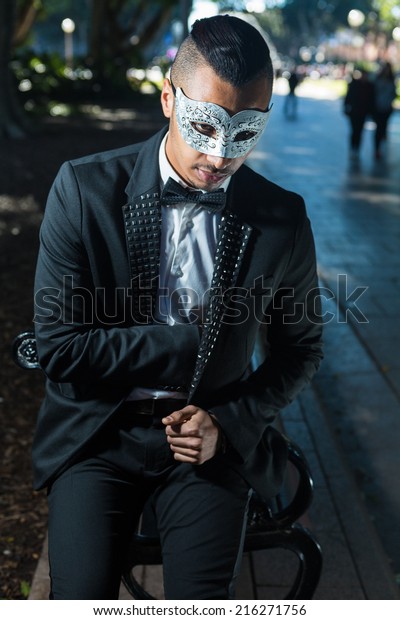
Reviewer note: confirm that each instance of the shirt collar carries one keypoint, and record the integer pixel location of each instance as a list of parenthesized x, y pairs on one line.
[(166, 170)]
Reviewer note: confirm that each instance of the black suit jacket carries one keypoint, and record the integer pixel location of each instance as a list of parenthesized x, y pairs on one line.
[(95, 292)]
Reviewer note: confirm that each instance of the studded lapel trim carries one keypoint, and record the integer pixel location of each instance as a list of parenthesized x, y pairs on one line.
[(142, 216), (142, 219), (232, 242)]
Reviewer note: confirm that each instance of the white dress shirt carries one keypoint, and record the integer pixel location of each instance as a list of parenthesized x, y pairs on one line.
[(188, 242)]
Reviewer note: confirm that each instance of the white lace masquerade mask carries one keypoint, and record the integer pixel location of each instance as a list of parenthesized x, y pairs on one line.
[(208, 128)]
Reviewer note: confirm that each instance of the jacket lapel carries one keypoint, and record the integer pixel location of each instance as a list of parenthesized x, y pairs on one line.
[(142, 220), (233, 238)]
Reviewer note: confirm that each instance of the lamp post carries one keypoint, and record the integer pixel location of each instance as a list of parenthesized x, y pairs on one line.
[(68, 28), (356, 19), (396, 34), (255, 6), (396, 44)]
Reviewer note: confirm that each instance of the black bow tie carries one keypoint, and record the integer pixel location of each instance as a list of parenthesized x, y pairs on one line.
[(174, 193)]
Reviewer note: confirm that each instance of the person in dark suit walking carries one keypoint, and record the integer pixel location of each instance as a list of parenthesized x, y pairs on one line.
[(384, 95), (358, 106), (158, 265), (290, 105)]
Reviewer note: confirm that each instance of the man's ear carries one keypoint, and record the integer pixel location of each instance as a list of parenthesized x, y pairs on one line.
[(167, 98)]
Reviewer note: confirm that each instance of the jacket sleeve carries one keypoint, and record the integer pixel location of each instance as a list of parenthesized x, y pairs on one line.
[(74, 346), (289, 353)]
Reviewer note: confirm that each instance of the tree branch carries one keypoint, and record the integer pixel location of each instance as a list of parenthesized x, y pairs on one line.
[(26, 17)]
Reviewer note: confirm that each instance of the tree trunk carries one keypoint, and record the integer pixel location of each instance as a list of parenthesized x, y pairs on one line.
[(161, 18), (12, 122), (111, 40), (25, 19), (185, 9), (98, 36)]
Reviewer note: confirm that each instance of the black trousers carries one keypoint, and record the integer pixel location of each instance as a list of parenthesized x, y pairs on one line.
[(95, 504), (381, 120), (357, 122)]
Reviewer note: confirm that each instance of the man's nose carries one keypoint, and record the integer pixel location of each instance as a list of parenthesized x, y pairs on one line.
[(219, 163)]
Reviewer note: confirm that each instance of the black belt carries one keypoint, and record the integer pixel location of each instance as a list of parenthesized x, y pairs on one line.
[(157, 407)]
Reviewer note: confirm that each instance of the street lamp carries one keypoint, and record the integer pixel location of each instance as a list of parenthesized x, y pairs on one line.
[(68, 28), (255, 6), (355, 18), (396, 34)]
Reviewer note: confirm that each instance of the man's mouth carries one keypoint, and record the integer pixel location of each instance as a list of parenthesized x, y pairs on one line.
[(211, 177)]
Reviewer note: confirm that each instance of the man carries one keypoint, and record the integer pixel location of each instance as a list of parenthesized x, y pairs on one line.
[(358, 106), (290, 106), (149, 300)]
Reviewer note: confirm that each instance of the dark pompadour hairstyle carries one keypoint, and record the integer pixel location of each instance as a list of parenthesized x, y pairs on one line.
[(234, 49)]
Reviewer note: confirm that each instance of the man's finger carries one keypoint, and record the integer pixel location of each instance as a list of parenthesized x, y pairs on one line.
[(183, 458), (191, 443), (182, 430), (188, 452), (178, 417)]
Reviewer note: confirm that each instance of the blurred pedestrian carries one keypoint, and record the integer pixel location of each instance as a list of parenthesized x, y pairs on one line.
[(384, 94), (358, 105), (290, 107)]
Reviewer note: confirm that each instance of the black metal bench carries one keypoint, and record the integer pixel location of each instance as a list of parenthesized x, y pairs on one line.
[(271, 525)]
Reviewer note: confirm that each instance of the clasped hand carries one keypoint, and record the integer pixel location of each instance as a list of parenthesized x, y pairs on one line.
[(192, 434)]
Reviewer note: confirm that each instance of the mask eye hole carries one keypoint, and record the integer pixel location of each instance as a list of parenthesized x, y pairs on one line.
[(244, 135), (205, 129)]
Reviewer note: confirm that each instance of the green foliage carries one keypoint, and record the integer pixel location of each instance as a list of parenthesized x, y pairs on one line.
[(41, 81), (25, 589), (321, 15), (272, 22), (46, 86), (295, 23), (22, 5), (49, 8), (388, 11)]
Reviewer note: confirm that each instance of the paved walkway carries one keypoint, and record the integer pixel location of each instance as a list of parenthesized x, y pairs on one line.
[(354, 207), (348, 423)]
